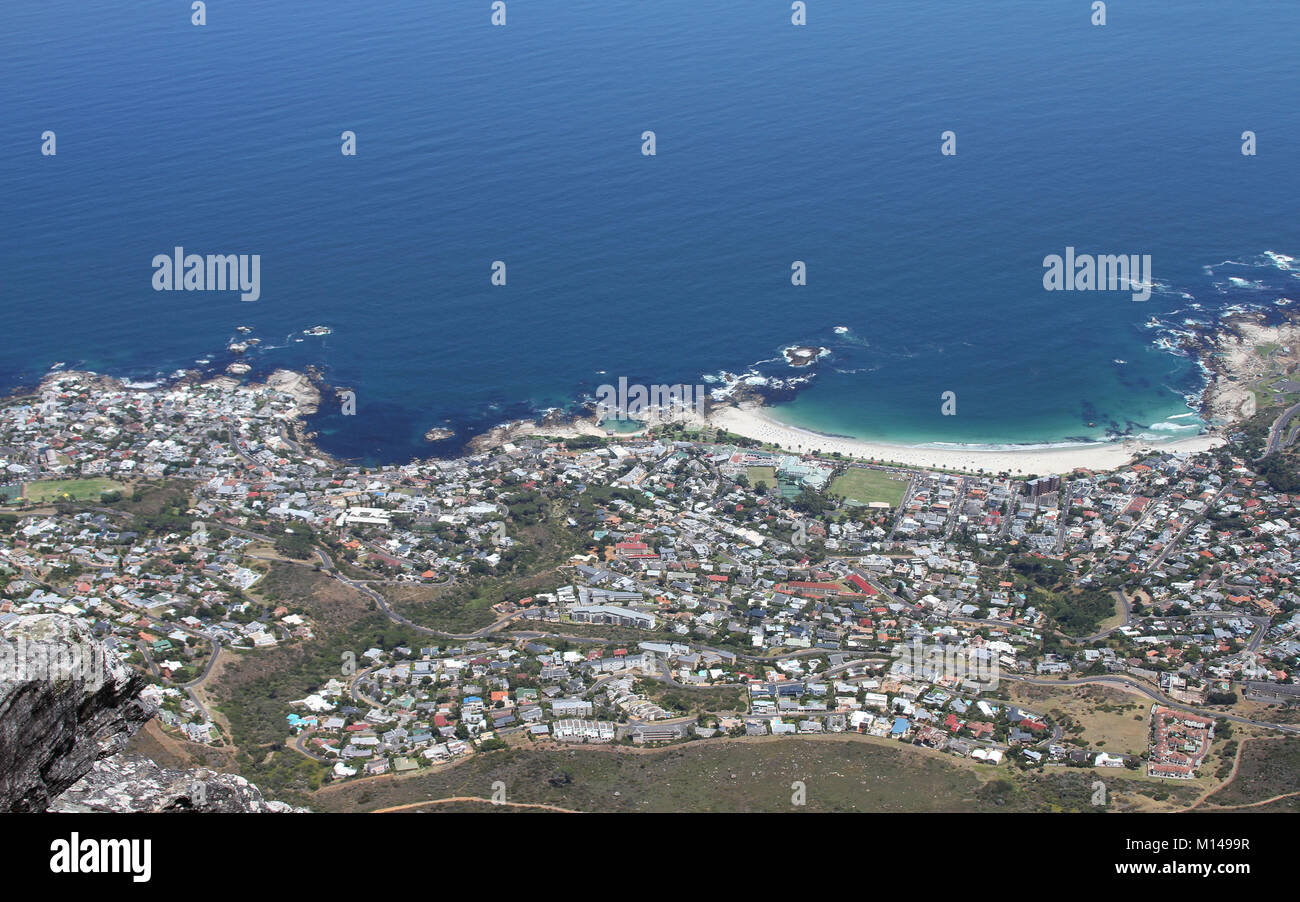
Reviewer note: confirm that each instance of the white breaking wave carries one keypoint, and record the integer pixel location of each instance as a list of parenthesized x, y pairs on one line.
[(1043, 446), (1173, 427), (1252, 285), (1281, 261)]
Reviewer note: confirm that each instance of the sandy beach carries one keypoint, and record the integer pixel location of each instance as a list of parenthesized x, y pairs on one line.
[(1241, 353), (753, 422), (1244, 351)]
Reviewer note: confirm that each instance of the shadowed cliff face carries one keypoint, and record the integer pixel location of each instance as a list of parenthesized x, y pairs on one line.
[(65, 702), (68, 706)]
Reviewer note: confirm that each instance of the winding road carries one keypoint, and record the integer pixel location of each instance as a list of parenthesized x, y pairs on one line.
[(1275, 440)]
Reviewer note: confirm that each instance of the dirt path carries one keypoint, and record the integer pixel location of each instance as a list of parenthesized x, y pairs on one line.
[(452, 799), (1277, 798), (983, 771), (1241, 748), (1232, 775), (154, 742)]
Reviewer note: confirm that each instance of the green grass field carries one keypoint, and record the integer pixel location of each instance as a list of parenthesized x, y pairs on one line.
[(762, 474), (1267, 395), (864, 486), (69, 489)]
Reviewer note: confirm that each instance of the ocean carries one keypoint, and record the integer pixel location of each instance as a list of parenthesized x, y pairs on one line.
[(774, 144)]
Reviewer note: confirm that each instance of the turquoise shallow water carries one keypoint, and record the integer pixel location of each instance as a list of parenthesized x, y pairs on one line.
[(775, 144)]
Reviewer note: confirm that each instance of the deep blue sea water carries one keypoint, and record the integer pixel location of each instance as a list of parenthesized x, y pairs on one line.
[(775, 143)]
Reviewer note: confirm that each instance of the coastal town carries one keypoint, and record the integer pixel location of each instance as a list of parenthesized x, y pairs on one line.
[(888, 411), (681, 584)]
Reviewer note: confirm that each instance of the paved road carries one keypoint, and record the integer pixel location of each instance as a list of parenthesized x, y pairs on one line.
[(1008, 514), (902, 507), (354, 689), (1275, 432), (1191, 524), (330, 569), (239, 449), (1127, 607), (194, 683), (1066, 498), (300, 745), (954, 512), (394, 616), (148, 658)]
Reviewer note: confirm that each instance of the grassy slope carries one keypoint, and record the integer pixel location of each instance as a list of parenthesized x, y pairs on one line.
[(840, 773)]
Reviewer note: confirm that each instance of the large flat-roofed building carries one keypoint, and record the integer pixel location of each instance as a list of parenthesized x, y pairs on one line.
[(371, 516), (1043, 485), (614, 616), (658, 732), (583, 731), (571, 707)]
